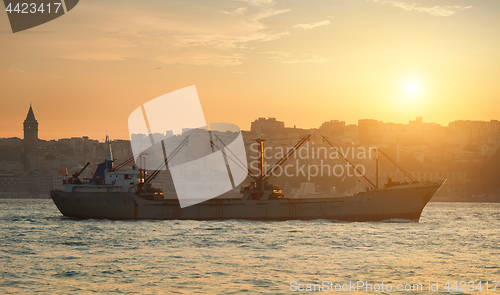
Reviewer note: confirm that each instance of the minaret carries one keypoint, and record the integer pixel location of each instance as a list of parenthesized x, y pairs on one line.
[(30, 132)]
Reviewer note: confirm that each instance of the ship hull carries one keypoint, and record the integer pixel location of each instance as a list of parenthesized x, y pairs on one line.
[(403, 202)]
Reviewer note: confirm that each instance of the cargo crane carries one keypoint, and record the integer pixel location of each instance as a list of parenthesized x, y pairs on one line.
[(376, 185), (353, 166), (145, 182), (260, 189), (74, 178), (123, 164)]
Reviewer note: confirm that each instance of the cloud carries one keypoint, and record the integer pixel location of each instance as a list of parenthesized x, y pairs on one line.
[(312, 25), (258, 2), (204, 36), (12, 70), (289, 58), (240, 10), (434, 10)]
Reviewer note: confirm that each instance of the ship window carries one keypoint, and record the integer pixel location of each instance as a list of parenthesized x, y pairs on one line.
[(127, 176)]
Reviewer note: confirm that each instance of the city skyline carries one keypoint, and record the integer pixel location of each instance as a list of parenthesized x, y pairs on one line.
[(456, 151), (304, 62), (30, 113)]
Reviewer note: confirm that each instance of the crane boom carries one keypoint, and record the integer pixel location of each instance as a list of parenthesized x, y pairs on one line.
[(124, 163), (76, 175), (167, 159), (283, 159), (337, 150), (400, 168), (240, 164)]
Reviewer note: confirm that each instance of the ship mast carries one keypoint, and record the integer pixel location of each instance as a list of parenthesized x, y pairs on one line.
[(376, 171), (260, 178)]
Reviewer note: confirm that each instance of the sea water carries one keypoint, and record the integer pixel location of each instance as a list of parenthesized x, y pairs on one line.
[(42, 252)]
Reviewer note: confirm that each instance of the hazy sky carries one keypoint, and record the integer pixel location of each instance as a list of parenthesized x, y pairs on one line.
[(301, 61)]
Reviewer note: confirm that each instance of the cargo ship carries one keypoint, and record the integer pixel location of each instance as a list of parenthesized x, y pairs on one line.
[(127, 195)]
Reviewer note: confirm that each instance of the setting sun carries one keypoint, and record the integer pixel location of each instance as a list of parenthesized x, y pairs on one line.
[(413, 88)]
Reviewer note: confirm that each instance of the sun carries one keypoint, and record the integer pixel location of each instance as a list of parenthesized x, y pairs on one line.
[(412, 88), (411, 93)]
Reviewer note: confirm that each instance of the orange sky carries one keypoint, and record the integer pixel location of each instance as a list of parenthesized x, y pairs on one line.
[(303, 62)]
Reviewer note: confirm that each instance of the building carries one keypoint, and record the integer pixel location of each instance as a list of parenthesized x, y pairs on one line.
[(333, 128), (368, 131), (30, 125), (267, 126)]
